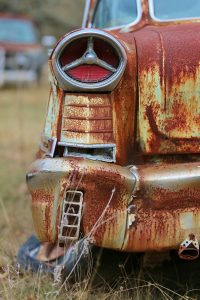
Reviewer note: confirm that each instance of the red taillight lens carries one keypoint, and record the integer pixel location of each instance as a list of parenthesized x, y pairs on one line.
[(89, 73), (88, 60)]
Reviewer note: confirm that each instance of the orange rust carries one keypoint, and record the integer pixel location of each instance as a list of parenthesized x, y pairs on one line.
[(59, 121), (161, 187), (165, 197), (160, 229), (87, 119), (153, 118), (169, 76), (124, 99), (103, 186)]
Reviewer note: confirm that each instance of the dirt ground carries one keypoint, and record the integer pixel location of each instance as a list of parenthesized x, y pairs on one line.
[(22, 113)]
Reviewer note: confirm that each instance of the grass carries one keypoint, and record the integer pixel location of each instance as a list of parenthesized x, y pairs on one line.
[(22, 113), (21, 117)]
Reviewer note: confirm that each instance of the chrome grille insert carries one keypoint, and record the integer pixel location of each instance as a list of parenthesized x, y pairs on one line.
[(69, 228)]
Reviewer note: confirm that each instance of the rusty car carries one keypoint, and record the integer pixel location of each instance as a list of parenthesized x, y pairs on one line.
[(22, 55), (119, 161)]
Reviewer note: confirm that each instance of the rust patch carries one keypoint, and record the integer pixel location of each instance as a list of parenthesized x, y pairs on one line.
[(124, 104), (41, 196), (169, 78), (169, 186), (152, 225), (107, 192), (87, 119), (150, 112), (157, 104)]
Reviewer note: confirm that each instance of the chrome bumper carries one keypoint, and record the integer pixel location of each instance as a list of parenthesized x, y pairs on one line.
[(141, 208)]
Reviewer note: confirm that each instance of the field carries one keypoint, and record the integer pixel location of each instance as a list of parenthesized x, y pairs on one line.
[(22, 112)]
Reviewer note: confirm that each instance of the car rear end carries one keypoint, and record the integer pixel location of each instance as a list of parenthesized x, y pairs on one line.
[(117, 163)]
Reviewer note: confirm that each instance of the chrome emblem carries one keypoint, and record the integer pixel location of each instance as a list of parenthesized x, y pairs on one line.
[(89, 58)]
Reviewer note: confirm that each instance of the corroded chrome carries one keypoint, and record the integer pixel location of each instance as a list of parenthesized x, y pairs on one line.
[(137, 212), (70, 221), (98, 152), (151, 118), (48, 145), (69, 84)]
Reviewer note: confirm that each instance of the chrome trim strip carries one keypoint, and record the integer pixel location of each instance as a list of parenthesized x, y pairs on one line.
[(69, 84), (152, 15), (139, 17), (86, 12), (98, 156), (91, 146)]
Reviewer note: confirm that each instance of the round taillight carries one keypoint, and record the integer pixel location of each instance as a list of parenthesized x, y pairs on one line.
[(89, 60)]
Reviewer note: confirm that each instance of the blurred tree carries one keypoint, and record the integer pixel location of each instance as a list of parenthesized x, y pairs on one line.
[(52, 16)]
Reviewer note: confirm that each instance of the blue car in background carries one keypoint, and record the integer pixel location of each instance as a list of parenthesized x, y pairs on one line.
[(22, 54)]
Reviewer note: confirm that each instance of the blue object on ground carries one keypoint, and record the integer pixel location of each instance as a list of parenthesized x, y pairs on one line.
[(77, 256)]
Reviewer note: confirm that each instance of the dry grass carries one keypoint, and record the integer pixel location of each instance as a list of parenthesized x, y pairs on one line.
[(22, 113)]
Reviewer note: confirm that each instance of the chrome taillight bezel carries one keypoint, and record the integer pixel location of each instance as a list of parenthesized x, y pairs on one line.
[(69, 84)]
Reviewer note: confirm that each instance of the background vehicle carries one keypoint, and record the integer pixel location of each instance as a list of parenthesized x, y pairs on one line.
[(119, 159), (22, 55)]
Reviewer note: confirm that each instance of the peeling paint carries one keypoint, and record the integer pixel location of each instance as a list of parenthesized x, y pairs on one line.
[(148, 199)]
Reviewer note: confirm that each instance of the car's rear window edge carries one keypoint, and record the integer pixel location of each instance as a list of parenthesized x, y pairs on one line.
[(153, 17), (139, 16)]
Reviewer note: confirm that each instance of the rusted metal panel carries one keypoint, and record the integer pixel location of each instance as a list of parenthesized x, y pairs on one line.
[(154, 109), (87, 119), (166, 204), (169, 79), (46, 206), (170, 186), (124, 100), (54, 109), (107, 189), (157, 230), (99, 118), (127, 209)]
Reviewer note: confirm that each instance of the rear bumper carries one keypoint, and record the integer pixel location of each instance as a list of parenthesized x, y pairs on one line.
[(142, 208), (17, 76)]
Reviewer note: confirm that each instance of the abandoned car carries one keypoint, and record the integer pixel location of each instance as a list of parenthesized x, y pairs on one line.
[(21, 53), (119, 162)]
